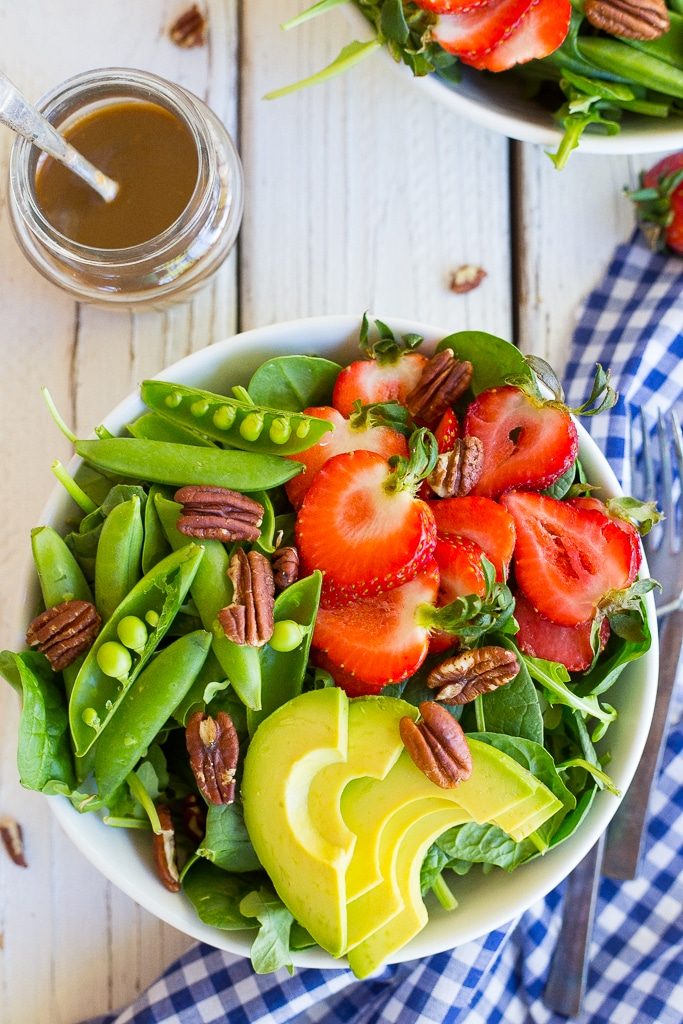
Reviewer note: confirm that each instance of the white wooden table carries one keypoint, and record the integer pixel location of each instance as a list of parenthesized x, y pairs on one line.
[(361, 194)]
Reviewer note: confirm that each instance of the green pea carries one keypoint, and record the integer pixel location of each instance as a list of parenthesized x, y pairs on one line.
[(199, 408), (91, 718), (132, 632), (287, 635), (114, 660), (173, 399), (280, 430), (224, 417), (303, 428), (251, 426), (152, 618)]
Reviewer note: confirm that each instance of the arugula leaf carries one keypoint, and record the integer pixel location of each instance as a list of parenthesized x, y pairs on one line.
[(271, 947), (349, 56), (227, 843), (554, 677)]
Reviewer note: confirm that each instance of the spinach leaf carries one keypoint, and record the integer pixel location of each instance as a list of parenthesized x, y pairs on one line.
[(293, 382), (570, 824), (494, 360), (270, 949), (484, 844), (227, 843), (432, 866), (514, 709), (43, 754), (299, 938), (561, 486), (618, 653), (216, 895)]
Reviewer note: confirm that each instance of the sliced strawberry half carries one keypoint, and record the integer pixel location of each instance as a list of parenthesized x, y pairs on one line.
[(347, 681), (566, 559), (346, 437), (374, 380), (541, 638), (377, 639), (451, 6), (629, 529), (365, 533), (539, 33), (528, 443), (481, 520), (446, 432), (474, 33), (460, 569)]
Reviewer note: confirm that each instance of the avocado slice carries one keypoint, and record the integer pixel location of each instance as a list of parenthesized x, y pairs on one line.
[(287, 751), (411, 919), (374, 747)]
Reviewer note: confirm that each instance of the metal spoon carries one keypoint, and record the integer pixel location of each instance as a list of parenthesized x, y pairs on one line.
[(22, 117)]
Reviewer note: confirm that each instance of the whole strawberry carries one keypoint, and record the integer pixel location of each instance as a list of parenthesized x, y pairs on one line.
[(659, 202)]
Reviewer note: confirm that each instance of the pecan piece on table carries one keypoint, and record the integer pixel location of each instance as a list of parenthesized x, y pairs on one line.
[(12, 838), (189, 28), (249, 618), (458, 471), (443, 379), (630, 19), (213, 747), (64, 631), (437, 745), (285, 564), (164, 850), (217, 513), (465, 676), (466, 278)]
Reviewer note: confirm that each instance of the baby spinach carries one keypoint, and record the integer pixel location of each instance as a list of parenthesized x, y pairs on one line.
[(271, 947), (294, 383), (216, 895), (514, 709), (493, 359), (227, 843)]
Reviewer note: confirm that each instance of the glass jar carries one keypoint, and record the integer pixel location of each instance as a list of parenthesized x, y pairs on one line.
[(166, 268)]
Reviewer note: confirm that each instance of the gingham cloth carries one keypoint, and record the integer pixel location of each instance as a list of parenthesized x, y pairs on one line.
[(633, 323)]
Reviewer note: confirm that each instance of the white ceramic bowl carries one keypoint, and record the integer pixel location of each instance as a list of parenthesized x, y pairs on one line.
[(494, 102), (486, 902)]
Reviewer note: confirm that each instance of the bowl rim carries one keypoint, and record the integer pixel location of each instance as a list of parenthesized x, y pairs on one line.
[(629, 142), (94, 839)]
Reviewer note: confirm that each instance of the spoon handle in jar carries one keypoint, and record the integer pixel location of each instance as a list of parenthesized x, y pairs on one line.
[(22, 117)]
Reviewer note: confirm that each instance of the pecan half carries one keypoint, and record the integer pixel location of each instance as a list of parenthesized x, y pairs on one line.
[(466, 278), (164, 850), (437, 745), (467, 675), (249, 619), (285, 564), (217, 513), (630, 19), (214, 751), (189, 29), (13, 840), (443, 379), (64, 631), (456, 472)]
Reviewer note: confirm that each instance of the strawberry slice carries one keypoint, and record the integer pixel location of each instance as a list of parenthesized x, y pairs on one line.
[(376, 639), (460, 569), (540, 32), (528, 443), (450, 6), (481, 520), (362, 525), (541, 638), (566, 559), (352, 685), (474, 33), (348, 435), (446, 433), (629, 529), (371, 380)]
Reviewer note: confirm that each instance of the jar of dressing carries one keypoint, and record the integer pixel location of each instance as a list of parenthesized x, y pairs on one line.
[(179, 206)]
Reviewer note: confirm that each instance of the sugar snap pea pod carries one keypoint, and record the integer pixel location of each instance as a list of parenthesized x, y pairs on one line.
[(154, 546), (59, 574), (146, 707), (153, 427), (266, 542), (155, 600), (282, 672), (668, 47), (211, 590), (117, 566), (209, 681), (634, 64), (161, 462), (253, 428)]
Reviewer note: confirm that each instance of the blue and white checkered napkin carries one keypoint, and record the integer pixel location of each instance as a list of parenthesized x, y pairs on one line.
[(632, 323)]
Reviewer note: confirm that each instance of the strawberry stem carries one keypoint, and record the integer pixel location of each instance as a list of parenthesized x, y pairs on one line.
[(408, 473), (469, 618), (385, 348), (379, 414)]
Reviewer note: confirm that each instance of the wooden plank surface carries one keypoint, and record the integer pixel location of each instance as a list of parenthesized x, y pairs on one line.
[(361, 194)]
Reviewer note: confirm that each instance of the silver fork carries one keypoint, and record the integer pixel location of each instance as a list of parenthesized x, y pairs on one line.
[(618, 854)]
